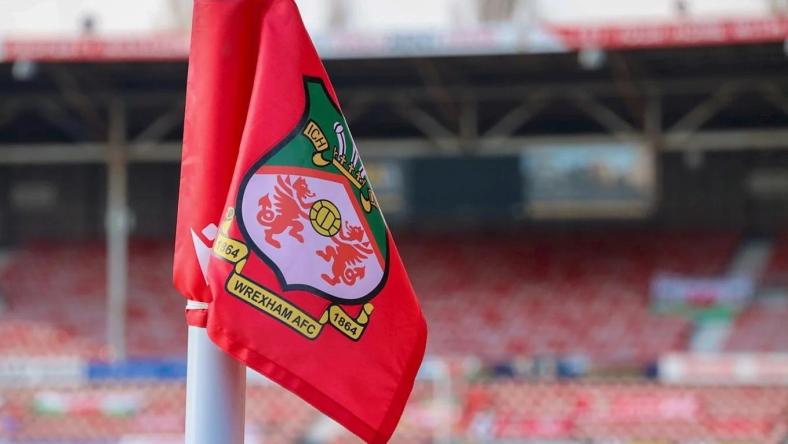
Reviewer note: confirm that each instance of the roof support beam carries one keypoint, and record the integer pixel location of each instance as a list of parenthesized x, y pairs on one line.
[(469, 125), (606, 117), (516, 118), (776, 97), (442, 138), (81, 101), (704, 111)]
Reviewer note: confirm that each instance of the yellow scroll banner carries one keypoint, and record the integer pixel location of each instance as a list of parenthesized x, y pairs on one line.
[(274, 305)]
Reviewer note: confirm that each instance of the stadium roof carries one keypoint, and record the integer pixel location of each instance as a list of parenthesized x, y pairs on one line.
[(686, 95)]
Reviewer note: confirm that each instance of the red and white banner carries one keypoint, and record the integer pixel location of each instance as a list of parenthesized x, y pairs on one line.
[(95, 49), (507, 38), (676, 34)]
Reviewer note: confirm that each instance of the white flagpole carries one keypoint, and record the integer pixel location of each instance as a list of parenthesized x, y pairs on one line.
[(215, 382), (215, 393)]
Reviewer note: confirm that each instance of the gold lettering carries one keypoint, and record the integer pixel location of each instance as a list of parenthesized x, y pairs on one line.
[(273, 305)]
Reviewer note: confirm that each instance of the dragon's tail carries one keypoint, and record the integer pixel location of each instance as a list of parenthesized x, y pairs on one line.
[(266, 215), (350, 275)]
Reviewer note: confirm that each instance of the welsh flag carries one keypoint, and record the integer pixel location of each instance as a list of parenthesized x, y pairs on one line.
[(280, 239)]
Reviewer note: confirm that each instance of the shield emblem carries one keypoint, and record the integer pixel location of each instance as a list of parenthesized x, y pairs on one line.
[(307, 209)]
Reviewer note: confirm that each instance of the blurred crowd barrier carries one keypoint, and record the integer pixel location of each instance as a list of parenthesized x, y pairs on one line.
[(462, 411)]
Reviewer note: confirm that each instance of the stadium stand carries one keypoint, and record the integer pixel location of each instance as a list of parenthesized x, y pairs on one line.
[(539, 294), (762, 326), (552, 294), (40, 281), (42, 339)]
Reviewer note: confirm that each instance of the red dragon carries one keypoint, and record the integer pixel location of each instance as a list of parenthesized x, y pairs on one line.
[(290, 207), (350, 250)]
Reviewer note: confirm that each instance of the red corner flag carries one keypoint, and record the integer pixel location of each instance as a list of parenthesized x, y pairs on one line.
[(306, 284)]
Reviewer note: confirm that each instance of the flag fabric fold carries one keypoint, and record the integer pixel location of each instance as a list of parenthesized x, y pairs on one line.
[(306, 283), (221, 74)]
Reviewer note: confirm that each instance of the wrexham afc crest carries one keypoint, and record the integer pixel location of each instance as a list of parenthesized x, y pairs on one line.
[(307, 210)]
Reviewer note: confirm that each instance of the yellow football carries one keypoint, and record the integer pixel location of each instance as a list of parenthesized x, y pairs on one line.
[(325, 218)]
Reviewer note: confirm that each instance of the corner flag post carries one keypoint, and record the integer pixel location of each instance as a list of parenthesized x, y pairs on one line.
[(215, 393)]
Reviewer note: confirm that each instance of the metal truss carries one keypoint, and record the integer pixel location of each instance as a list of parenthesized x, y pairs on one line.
[(453, 118)]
